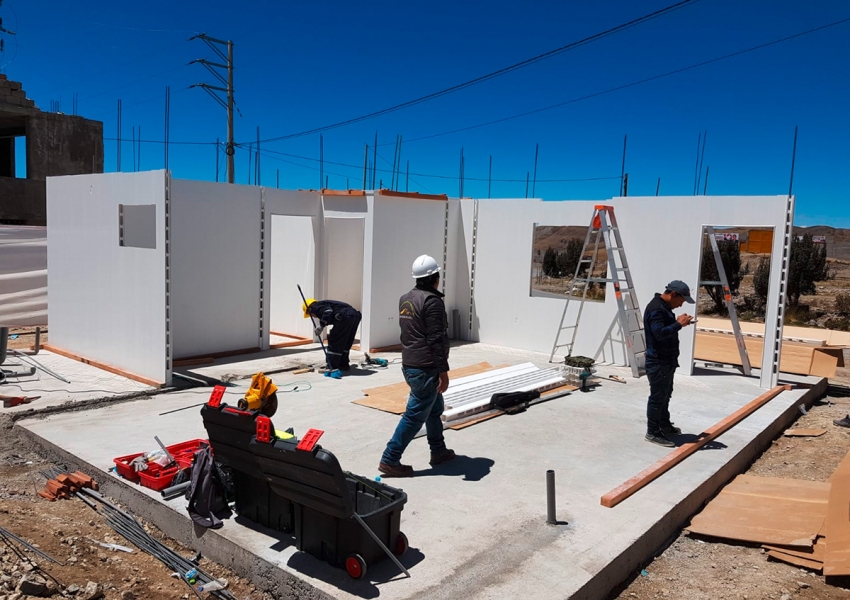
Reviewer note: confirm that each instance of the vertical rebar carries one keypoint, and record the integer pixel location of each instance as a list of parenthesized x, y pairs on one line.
[(793, 160), (534, 184), (658, 186), (705, 187), (365, 164), (217, 150), (623, 167), (551, 518), (490, 176)]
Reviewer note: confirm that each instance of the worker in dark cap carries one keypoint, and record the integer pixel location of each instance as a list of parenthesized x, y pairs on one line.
[(662, 353)]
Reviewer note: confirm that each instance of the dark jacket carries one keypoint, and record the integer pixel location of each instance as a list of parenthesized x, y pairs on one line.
[(662, 332), (330, 312), (424, 330)]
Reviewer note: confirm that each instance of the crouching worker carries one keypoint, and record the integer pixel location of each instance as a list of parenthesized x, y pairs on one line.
[(344, 321)]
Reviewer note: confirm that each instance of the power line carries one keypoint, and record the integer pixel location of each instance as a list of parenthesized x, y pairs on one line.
[(494, 74), (632, 84)]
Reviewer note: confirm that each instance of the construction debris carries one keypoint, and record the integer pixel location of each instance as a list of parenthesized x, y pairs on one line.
[(64, 485), (804, 432)]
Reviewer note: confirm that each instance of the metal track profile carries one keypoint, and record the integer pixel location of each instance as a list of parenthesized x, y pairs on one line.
[(484, 403)]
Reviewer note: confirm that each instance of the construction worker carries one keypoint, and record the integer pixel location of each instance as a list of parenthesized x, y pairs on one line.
[(344, 320), (662, 353), (425, 365)]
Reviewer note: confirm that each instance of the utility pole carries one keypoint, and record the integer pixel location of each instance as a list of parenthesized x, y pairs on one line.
[(229, 105)]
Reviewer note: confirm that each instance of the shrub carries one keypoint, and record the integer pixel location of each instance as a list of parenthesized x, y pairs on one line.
[(842, 304)]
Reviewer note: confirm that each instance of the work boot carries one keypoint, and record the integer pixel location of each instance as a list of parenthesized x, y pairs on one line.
[(444, 456), (395, 470), (659, 440), (670, 429), (845, 422)]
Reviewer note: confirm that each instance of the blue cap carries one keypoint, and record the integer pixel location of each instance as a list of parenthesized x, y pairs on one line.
[(681, 288)]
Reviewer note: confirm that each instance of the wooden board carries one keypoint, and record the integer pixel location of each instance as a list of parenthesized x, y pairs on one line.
[(837, 530), (393, 398), (766, 510), (804, 432), (655, 470), (797, 358), (824, 337), (797, 561)]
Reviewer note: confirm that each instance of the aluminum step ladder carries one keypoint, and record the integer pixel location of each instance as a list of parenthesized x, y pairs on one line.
[(604, 229), (727, 297)]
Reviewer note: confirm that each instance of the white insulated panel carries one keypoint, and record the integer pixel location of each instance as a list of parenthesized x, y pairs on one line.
[(215, 268), (344, 241), (293, 263), (661, 235), (288, 258), (106, 302), (401, 230)]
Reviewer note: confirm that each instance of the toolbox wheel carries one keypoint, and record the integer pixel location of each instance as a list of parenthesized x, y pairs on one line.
[(401, 544), (356, 566)]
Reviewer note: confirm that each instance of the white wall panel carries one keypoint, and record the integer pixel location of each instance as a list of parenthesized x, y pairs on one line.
[(661, 235), (293, 262), (215, 273), (344, 269), (107, 302), (289, 254), (403, 228)]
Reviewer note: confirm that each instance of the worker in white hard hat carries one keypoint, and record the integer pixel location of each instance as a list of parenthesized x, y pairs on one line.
[(425, 364)]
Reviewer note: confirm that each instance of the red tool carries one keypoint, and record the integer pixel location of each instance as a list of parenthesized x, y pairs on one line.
[(10, 401)]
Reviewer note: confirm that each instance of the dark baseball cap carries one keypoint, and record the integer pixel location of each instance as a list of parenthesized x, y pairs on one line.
[(681, 288)]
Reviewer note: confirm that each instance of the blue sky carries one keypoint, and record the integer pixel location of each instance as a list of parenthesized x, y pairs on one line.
[(309, 64)]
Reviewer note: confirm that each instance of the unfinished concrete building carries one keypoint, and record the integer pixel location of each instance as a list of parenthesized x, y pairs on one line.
[(56, 144)]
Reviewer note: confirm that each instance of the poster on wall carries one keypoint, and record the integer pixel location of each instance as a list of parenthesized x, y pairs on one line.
[(726, 237)]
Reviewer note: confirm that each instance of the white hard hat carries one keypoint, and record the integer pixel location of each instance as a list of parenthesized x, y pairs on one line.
[(424, 266)]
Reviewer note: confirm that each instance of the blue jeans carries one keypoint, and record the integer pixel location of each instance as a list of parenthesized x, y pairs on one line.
[(424, 405), (660, 378)]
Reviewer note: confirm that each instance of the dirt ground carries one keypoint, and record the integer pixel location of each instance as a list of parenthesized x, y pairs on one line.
[(705, 569), (68, 530)]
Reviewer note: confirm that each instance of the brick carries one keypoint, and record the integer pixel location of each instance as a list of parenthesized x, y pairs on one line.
[(18, 93), (3, 77), (15, 85), (47, 496), (84, 479), (28, 103)]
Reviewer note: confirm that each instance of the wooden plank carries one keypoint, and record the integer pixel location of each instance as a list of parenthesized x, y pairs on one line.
[(292, 344), (797, 561), (103, 366), (472, 422), (189, 362), (837, 529), (804, 432), (291, 336), (655, 470), (224, 354), (394, 348)]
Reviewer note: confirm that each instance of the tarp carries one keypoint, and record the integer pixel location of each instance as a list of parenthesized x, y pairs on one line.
[(23, 276)]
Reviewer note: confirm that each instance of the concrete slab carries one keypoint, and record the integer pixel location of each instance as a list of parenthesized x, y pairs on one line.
[(88, 383), (477, 524)]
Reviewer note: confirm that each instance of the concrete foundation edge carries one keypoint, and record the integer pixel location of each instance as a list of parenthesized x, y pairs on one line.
[(261, 573), (645, 548)]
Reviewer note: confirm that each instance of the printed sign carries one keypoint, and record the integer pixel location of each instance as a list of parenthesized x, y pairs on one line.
[(726, 237), (819, 239)]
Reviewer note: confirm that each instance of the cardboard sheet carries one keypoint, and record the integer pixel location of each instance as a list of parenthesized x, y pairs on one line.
[(837, 530), (393, 398), (815, 554), (804, 432), (766, 510), (797, 561)]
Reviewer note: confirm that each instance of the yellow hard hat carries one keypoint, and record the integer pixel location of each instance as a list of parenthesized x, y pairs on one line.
[(308, 302)]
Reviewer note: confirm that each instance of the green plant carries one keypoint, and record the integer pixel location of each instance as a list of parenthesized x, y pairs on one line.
[(842, 304), (807, 265), (550, 263), (568, 259), (838, 323), (761, 280)]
